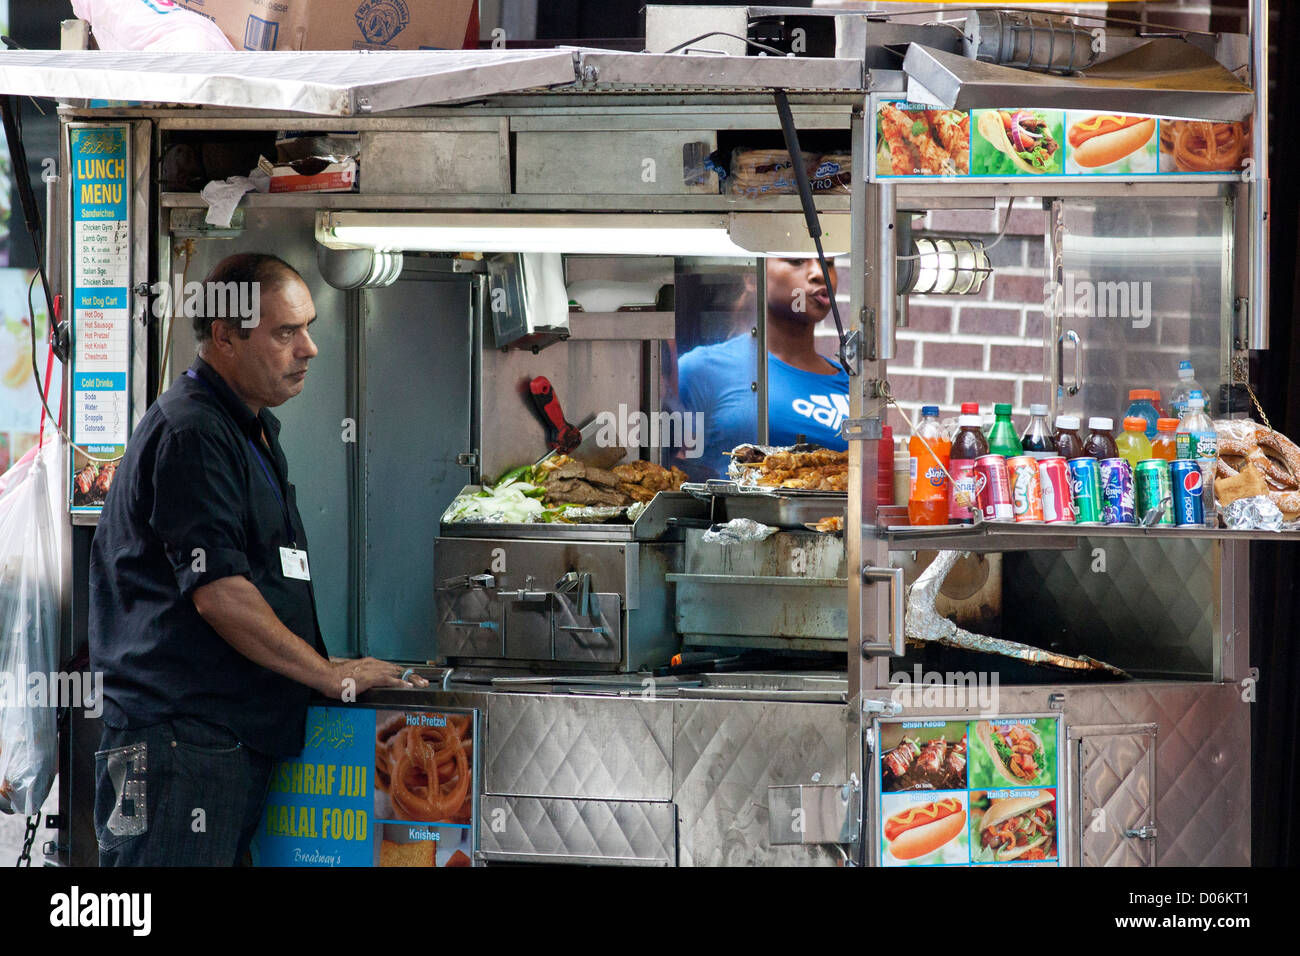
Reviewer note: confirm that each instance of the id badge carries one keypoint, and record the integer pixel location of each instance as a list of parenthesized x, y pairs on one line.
[(294, 564)]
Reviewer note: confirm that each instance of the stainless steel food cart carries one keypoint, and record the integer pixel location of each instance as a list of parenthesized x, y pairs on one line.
[(588, 757)]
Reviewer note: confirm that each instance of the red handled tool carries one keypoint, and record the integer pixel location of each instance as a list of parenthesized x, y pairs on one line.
[(560, 435)]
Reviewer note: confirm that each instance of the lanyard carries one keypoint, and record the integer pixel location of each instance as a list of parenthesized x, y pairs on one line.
[(266, 470)]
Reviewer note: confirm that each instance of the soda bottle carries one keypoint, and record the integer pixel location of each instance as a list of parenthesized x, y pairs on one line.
[(928, 450), (1002, 439), (1197, 440), (1165, 444), (1068, 443), (1133, 445), (1037, 440), (968, 445), (1100, 443), (1142, 404)]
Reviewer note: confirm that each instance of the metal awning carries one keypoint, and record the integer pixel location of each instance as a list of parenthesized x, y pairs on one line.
[(1163, 77), (346, 83), (341, 83)]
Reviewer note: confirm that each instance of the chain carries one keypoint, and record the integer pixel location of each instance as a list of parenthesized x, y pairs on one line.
[(25, 858), (1241, 376)]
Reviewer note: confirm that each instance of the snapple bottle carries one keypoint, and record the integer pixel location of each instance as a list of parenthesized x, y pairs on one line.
[(968, 444), (928, 449)]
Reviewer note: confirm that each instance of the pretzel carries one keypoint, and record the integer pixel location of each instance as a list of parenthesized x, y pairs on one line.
[(1283, 449), (425, 770)]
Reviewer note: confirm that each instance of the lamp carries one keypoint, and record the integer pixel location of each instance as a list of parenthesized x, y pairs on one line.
[(945, 267)]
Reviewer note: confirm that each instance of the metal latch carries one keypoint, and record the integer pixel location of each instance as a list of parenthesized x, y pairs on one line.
[(861, 429), (889, 708), (468, 582), (1147, 832), (467, 459), (585, 605)]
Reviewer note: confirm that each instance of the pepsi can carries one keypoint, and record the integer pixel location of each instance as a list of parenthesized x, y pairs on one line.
[(1189, 506), (1117, 498)]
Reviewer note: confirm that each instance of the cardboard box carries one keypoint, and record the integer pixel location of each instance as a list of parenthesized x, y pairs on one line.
[(310, 175), (340, 24)]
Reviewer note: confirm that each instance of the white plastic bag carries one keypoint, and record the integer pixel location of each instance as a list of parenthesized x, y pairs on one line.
[(30, 577), (155, 25)]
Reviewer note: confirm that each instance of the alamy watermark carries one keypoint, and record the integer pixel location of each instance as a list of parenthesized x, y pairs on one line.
[(635, 429), (75, 689), (947, 690), (232, 301), (1084, 298)]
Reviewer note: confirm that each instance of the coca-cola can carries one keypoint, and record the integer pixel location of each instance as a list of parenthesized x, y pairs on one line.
[(1058, 495), (993, 488), (1026, 498)]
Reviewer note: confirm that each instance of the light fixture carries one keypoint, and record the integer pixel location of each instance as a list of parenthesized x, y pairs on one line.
[(713, 234), (944, 267)]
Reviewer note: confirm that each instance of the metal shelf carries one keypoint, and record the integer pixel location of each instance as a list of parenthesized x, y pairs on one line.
[(513, 201), (998, 536)]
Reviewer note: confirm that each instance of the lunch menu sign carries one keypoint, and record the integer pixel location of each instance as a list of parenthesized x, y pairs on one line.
[(968, 792)]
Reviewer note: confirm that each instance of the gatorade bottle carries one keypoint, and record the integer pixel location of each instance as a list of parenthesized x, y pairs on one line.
[(1165, 444), (1142, 404), (1002, 439), (1133, 445), (929, 451)]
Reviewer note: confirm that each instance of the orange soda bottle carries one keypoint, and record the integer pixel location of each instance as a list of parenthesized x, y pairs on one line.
[(928, 449), (1164, 445)]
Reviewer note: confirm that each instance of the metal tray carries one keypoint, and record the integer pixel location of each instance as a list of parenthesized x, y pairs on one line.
[(775, 507), (652, 524)]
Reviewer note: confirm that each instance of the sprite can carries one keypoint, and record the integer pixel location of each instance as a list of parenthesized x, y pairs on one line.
[(1085, 483), (1154, 488)]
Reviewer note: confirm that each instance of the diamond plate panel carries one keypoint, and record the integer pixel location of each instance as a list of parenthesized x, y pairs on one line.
[(1162, 591), (583, 747), (1202, 783), (1115, 795), (727, 753), (554, 830)]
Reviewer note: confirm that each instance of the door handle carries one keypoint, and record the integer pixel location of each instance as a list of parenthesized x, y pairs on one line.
[(1073, 336), (894, 578)]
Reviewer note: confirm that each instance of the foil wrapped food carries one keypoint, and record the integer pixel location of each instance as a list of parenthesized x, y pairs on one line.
[(924, 624), (737, 531), (1253, 514)]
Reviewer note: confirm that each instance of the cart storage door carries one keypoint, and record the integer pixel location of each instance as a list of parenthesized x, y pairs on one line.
[(1116, 795)]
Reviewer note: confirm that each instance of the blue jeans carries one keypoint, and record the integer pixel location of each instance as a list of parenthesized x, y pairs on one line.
[(180, 793)]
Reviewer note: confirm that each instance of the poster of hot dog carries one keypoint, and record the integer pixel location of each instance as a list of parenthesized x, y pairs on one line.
[(1107, 143)]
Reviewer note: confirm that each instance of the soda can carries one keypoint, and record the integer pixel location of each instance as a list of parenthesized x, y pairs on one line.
[(1189, 506), (1085, 485), (1154, 487), (961, 490), (1058, 497), (1026, 496), (993, 488), (1117, 499)]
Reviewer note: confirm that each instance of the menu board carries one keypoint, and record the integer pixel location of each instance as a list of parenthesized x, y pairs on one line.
[(101, 315), (375, 787), (918, 142), (968, 792)]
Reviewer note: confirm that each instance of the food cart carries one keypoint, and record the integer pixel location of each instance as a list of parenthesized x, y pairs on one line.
[(543, 640)]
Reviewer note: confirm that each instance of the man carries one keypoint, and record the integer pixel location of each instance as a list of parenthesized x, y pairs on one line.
[(202, 617), (807, 393)]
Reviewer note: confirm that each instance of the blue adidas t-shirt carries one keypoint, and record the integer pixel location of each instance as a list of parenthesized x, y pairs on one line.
[(716, 380)]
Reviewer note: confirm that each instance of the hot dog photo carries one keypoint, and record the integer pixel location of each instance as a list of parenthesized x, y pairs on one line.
[(924, 829), (1013, 829), (1109, 143)]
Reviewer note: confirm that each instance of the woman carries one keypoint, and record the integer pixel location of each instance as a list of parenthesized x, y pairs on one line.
[(807, 392)]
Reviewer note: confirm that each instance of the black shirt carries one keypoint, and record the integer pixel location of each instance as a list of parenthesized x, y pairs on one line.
[(193, 502)]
